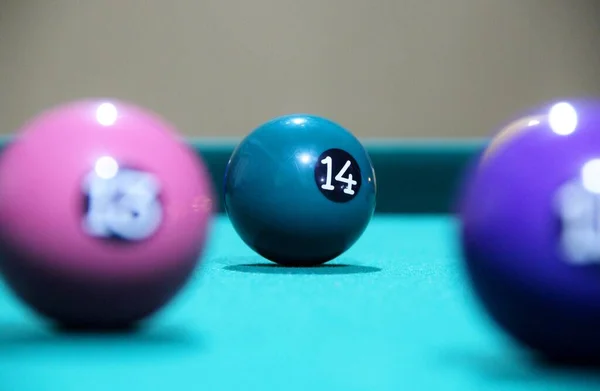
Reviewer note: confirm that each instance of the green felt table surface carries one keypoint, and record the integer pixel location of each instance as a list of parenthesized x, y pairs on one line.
[(393, 313)]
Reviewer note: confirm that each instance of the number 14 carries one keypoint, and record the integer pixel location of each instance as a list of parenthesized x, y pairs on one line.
[(339, 177)]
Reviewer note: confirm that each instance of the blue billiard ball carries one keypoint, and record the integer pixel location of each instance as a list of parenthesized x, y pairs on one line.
[(300, 190), (530, 229)]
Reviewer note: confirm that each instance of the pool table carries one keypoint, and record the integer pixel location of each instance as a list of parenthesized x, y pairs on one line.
[(393, 313)]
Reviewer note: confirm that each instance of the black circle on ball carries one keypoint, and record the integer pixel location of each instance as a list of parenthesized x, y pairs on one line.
[(337, 175)]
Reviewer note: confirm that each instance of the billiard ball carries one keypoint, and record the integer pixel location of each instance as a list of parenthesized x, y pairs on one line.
[(530, 230), (300, 190), (104, 212)]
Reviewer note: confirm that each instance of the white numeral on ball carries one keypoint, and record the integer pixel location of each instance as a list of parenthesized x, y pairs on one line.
[(126, 205), (349, 181), (339, 177), (580, 215), (327, 185)]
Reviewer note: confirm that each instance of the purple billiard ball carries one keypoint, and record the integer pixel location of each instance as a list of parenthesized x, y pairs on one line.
[(529, 217)]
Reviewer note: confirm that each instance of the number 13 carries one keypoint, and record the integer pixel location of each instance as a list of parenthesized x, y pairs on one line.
[(339, 177)]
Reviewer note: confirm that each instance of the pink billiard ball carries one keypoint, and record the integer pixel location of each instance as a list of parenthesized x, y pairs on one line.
[(104, 213)]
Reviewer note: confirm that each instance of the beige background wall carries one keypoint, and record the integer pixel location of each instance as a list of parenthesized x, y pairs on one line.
[(383, 68)]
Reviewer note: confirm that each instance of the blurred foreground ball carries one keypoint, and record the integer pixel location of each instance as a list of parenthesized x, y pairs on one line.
[(530, 226), (104, 213)]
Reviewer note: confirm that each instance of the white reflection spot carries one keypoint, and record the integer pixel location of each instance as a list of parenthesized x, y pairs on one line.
[(299, 121), (304, 158), (590, 174), (106, 167), (563, 118), (106, 114)]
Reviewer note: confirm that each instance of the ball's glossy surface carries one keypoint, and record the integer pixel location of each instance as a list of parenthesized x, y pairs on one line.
[(104, 212), (530, 225), (300, 190)]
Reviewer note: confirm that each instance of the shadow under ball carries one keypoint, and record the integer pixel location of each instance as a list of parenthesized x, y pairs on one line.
[(300, 190)]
